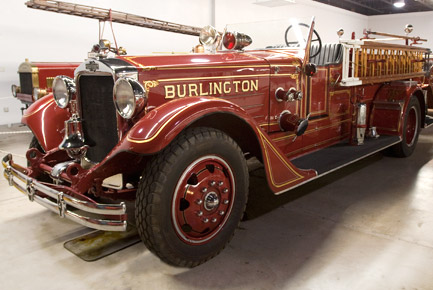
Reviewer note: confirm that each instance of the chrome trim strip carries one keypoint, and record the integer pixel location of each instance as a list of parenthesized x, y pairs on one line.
[(339, 167), (62, 200)]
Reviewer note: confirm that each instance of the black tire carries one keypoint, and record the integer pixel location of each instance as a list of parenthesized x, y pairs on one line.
[(35, 144), (178, 220), (411, 129)]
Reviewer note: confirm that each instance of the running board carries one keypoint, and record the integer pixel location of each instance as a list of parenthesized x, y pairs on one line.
[(335, 157)]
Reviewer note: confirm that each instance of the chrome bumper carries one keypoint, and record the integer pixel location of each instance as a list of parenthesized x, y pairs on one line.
[(32, 186)]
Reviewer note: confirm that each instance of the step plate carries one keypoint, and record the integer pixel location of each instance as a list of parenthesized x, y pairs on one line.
[(98, 244), (329, 159)]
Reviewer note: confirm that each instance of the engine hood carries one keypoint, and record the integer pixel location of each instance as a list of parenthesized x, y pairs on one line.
[(197, 61), (222, 74)]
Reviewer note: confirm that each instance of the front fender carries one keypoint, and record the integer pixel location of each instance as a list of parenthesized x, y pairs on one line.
[(46, 120), (159, 127)]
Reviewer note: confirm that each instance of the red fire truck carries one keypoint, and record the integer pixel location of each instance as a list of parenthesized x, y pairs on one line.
[(174, 132), (36, 79)]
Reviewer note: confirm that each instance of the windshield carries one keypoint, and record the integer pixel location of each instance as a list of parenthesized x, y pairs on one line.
[(283, 33)]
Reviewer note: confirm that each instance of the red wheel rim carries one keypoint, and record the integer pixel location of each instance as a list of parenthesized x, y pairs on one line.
[(203, 200), (411, 127)]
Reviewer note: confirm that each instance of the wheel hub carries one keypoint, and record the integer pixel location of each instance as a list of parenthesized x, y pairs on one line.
[(203, 199), (211, 201)]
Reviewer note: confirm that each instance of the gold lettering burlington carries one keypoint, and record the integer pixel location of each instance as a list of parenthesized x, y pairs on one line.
[(237, 85), (183, 94), (169, 92), (245, 86), (192, 89), (204, 93), (215, 89)]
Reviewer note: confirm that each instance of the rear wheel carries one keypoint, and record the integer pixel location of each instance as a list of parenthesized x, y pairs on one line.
[(192, 197), (411, 129)]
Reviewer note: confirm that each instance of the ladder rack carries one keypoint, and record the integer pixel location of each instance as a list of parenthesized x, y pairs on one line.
[(369, 62), (108, 14)]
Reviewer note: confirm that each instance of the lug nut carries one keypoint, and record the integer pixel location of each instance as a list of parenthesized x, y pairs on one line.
[(220, 183), (225, 190), (204, 190), (212, 183), (205, 220), (199, 201), (221, 212), (226, 201), (214, 220), (199, 213)]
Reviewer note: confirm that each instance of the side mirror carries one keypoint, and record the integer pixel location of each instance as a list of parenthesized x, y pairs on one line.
[(310, 69)]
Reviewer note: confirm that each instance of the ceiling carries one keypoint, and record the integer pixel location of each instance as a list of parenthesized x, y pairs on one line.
[(380, 7)]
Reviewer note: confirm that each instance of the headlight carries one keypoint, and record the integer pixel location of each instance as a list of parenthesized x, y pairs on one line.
[(15, 89), (129, 95), (63, 89), (38, 93)]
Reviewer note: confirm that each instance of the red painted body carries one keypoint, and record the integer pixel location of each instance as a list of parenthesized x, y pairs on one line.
[(206, 89), (47, 122)]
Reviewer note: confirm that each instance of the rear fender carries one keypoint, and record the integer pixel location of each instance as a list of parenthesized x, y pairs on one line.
[(46, 120), (159, 127), (391, 103)]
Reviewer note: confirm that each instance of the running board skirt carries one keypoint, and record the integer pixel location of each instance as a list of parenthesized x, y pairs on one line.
[(332, 158)]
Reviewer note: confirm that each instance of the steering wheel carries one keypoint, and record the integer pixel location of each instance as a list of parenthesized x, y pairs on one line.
[(316, 38)]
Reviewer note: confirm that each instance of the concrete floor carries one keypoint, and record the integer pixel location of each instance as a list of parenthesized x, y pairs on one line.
[(367, 226)]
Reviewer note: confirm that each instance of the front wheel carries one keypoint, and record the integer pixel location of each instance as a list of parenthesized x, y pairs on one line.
[(192, 196), (411, 129)]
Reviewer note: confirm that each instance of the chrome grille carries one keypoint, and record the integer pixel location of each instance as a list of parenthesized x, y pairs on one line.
[(98, 115)]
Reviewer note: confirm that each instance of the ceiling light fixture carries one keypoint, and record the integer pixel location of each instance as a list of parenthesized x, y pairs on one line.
[(399, 3), (274, 3)]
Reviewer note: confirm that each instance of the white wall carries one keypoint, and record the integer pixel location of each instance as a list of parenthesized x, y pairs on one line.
[(328, 19), (46, 36), (395, 24)]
